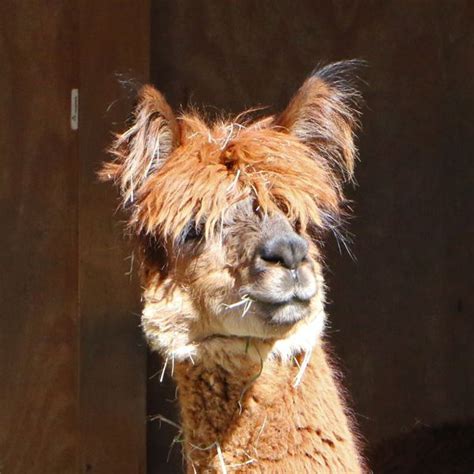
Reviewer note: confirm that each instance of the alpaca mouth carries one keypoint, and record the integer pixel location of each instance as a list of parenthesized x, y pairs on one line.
[(293, 295), (284, 305), (281, 300), (283, 287), (283, 308), (284, 313)]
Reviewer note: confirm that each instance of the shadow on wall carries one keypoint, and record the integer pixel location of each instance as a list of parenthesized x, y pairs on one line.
[(441, 449)]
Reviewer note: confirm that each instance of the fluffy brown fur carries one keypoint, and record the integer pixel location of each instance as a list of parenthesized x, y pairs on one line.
[(261, 422), (242, 328)]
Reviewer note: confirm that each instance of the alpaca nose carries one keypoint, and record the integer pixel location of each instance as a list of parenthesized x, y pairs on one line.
[(288, 249)]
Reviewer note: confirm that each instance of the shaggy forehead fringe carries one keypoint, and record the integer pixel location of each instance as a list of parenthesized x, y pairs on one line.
[(214, 169), (178, 173)]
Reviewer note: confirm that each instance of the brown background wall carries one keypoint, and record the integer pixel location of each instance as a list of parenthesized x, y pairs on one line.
[(72, 361), (39, 344), (402, 313)]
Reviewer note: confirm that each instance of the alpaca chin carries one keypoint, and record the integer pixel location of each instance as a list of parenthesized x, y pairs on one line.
[(301, 340)]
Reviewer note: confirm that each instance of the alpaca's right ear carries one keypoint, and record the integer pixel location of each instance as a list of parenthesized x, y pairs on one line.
[(144, 147), (324, 115)]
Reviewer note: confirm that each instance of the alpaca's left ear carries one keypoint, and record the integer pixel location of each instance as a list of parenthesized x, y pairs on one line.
[(144, 147), (324, 115)]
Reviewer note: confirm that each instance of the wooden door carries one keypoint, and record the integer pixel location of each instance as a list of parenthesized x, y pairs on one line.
[(72, 361)]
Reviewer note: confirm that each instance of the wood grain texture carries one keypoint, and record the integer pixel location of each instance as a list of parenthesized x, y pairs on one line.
[(72, 362), (39, 349), (402, 317), (115, 39)]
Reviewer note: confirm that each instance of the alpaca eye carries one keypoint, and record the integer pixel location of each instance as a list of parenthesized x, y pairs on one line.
[(298, 227), (256, 207), (194, 233)]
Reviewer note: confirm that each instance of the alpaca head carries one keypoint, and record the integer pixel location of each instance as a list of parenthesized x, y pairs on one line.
[(228, 215)]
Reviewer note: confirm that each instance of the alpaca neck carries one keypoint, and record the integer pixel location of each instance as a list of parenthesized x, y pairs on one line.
[(240, 411)]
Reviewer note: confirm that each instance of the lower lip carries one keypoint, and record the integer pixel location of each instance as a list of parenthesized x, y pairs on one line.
[(277, 314), (293, 300)]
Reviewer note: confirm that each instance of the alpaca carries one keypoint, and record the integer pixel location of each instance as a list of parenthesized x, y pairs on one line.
[(228, 217)]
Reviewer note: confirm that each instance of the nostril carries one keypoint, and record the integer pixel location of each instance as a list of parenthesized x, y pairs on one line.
[(270, 253), (288, 250)]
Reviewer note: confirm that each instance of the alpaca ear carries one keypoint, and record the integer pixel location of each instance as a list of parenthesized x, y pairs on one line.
[(324, 115), (144, 147)]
